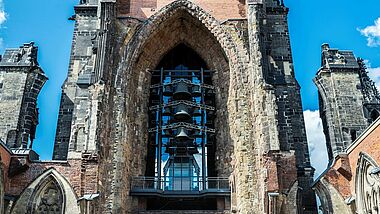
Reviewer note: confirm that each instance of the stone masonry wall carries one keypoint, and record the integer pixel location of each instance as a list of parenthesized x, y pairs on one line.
[(11, 94), (247, 104), (280, 73), (21, 80), (220, 9), (342, 108), (76, 122), (82, 175)]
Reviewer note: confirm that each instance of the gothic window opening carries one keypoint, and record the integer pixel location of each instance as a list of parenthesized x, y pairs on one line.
[(353, 135), (181, 142), (374, 115)]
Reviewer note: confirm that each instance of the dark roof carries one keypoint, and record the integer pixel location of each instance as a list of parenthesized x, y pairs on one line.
[(334, 58), (25, 55)]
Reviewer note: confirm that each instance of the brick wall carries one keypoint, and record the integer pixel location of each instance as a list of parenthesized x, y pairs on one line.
[(337, 175), (81, 175), (220, 9), (5, 156)]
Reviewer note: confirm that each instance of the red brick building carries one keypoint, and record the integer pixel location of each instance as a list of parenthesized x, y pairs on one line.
[(168, 107), (351, 184)]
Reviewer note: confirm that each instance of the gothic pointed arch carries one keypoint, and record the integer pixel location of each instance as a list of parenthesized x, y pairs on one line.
[(49, 193), (181, 23), (184, 23), (324, 196), (330, 198), (234, 52), (367, 185)]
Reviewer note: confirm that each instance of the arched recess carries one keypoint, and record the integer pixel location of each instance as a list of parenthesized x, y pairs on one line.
[(182, 22), (49, 193), (324, 197), (367, 185), (331, 200)]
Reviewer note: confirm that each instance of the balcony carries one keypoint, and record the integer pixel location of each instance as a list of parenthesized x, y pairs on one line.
[(183, 187)]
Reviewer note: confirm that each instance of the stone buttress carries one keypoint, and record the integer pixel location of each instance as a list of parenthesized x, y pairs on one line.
[(261, 140)]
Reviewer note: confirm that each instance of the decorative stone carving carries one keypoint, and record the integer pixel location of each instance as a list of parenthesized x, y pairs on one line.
[(50, 199), (367, 185), (369, 90)]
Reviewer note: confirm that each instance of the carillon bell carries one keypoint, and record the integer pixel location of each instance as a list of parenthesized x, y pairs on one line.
[(167, 111), (167, 91), (197, 90), (182, 113), (182, 135), (197, 112), (182, 91), (167, 132)]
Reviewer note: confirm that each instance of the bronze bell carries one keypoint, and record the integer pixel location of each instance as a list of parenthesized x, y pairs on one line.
[(182, 135), (182, 113), (196, 90), (167, 91), (197, 112), (182, 91), (167, 111)]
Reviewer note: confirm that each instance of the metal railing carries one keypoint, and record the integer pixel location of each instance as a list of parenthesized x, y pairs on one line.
[(189, 184)]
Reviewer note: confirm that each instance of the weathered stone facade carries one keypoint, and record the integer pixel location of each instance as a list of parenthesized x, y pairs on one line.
[(349, 102), (351, 183), (102, 131), (21, 80)]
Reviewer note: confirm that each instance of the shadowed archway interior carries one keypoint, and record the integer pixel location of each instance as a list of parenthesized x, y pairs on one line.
[(181, 145), (188, 46)]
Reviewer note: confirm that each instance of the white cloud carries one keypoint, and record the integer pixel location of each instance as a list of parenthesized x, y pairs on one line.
[(372, 33), (3, 15), (374, 74), (3, 18), (316, 140)]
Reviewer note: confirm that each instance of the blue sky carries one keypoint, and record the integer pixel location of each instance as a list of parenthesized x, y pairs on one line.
[(311, 23)]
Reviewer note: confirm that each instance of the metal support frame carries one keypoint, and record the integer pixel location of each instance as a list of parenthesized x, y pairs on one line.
[(159, 109), (204, 136)]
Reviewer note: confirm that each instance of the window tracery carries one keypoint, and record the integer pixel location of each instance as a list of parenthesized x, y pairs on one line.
[(49, 200), (367, 186)]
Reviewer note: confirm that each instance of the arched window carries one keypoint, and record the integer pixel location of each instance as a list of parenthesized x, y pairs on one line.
[(11, 138), (49, 193), (374, 115)]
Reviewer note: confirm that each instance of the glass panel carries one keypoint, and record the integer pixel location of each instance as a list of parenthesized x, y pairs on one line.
[(180, 119)]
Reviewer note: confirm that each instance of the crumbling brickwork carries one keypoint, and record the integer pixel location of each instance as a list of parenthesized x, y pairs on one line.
[(343, 179), (244, 89), (102, 131)]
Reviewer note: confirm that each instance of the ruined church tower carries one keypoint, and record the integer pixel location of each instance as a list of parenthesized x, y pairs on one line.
[(348, 99), (186, 105)]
